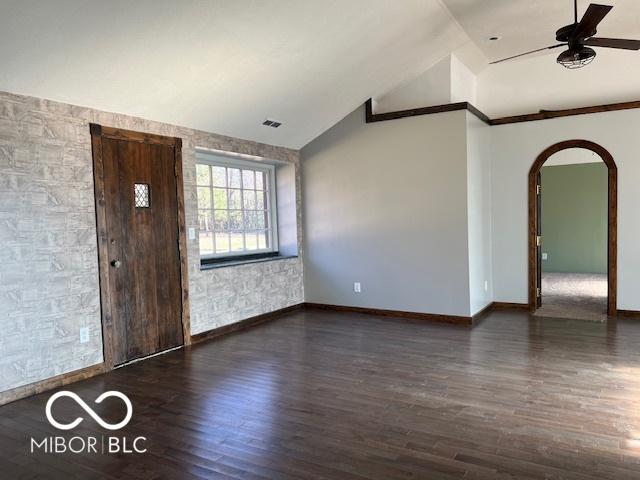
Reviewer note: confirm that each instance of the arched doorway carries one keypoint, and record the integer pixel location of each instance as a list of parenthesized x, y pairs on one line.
[(534, 220)]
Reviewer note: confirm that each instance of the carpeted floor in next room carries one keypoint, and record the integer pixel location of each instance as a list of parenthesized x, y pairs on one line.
[(574, 295)]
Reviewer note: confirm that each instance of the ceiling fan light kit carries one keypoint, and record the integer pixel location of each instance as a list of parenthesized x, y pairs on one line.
[(579, 37), (572, 59)]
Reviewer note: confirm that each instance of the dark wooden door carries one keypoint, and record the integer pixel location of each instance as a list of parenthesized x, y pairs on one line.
[(539, 240), (142, 236)]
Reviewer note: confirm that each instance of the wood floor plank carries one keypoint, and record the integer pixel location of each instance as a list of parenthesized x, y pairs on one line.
[(331, 395)]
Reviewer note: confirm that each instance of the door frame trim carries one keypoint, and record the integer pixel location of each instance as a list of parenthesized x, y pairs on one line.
[(612, 236), (98, 132)]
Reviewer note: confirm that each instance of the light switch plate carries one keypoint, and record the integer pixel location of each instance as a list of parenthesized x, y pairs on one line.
[(545, 256), (192, 233), (356, 287)]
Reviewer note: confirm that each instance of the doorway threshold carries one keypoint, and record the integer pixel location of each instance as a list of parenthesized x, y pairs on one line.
[(146, 357)]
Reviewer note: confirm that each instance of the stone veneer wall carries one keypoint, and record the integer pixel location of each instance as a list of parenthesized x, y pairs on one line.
[(48, 247)]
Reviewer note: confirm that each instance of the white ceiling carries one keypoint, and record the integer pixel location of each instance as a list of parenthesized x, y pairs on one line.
[(526, 25), (535, 82), (222, 66), (539, 83)]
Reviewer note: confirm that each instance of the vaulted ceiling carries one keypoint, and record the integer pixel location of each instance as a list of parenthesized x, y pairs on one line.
[(536, 82), (525, 25), (218, 65), (224, 66)]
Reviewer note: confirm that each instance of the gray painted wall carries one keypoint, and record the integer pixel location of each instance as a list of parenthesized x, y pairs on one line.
[(49, 269), (385, 204)]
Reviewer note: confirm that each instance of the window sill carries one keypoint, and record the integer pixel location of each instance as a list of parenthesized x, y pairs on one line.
[(236, 262)]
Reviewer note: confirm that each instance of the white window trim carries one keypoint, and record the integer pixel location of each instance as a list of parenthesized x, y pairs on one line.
[(220, 160)]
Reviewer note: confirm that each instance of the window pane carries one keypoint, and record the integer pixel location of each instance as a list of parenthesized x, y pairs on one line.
[(222, 242), (234, 177), (237, 241), (204, 220), (249, 197), (220, 198), (235, 200), (262, 240), (261, 220), (251, 240), (235, 220), (221, 220), (260, 200), (203, 174), (219, 176), (206, 244), (204, 197), (233, 209), (205, 232), (250, 220), (248, 179)]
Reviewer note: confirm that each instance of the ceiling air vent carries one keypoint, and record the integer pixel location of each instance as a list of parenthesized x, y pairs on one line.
[(271, 123)]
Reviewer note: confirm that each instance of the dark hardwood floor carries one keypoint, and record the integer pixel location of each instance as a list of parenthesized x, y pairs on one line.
[(318, 394)]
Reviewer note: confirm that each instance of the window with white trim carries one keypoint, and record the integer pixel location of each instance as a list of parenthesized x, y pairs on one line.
[(236, 207)]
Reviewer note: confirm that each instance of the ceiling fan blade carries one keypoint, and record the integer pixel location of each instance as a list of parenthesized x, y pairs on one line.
[(592, 17), (613, 43), (528, 53)]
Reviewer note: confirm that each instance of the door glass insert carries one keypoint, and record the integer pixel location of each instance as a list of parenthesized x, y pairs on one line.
[(141, 195)]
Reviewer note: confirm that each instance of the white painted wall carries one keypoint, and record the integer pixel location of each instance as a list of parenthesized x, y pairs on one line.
[(478, 195), (288, 207), (463, 82), (479, 213), (432, 87), (514, 149), (448, 81), (385, 204)]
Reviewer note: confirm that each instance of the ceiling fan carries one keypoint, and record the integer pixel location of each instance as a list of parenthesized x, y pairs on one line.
[(579, 37)]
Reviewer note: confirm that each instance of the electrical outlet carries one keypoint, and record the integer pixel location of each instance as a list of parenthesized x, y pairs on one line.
[(84, 335), (545, 256), (356, 287), (486, 286)]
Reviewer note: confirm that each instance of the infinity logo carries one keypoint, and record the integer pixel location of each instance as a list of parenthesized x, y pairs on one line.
[(89, 410)]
